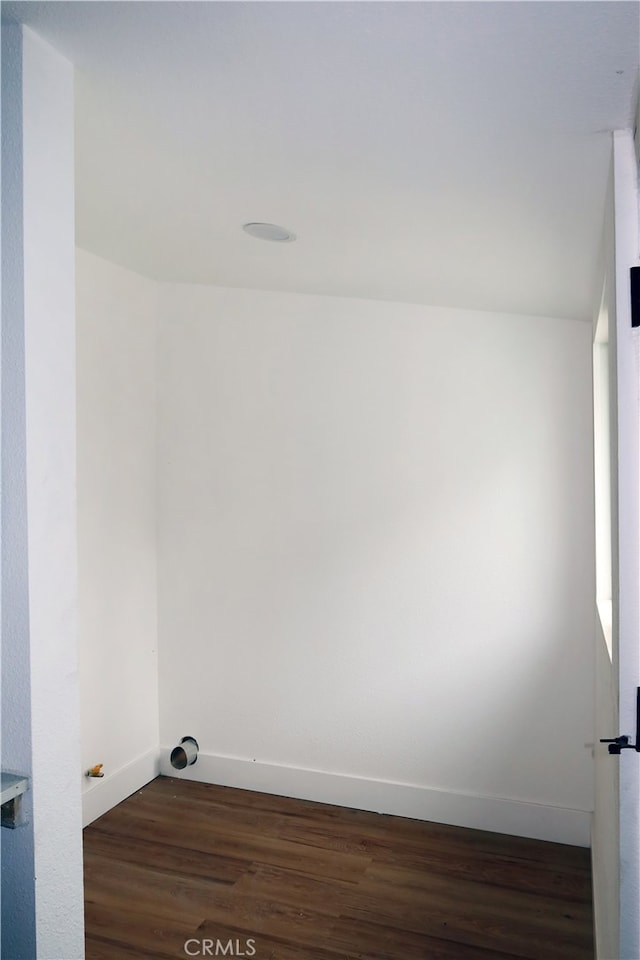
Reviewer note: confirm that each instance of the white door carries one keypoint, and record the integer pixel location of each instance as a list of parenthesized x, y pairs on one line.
[(616, 834)]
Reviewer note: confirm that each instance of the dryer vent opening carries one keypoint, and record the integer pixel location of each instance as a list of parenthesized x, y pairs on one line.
[(185, 753)]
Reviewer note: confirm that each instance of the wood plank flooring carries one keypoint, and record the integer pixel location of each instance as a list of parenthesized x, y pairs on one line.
[(187, 869)]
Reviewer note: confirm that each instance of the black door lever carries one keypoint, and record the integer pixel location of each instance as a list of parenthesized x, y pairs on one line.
[(618, 744)]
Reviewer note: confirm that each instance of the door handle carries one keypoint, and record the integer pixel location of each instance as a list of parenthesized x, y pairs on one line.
[(618, 744)]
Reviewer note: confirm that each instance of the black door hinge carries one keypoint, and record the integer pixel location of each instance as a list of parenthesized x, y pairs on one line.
[(635, 296), (618, 744)]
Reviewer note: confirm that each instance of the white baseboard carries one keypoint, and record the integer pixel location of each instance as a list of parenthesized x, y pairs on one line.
[(104, 793), (515, 817)]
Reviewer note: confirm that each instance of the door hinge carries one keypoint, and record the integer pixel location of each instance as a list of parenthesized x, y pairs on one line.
[(618, 744), (635, 296)]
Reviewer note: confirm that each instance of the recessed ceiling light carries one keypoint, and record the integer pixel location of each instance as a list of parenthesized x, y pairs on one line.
[(269, 231)]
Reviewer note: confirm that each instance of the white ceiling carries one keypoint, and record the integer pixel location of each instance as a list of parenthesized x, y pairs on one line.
[(444, 152)]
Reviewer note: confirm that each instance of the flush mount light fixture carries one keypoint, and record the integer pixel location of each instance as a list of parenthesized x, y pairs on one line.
[(269, 231)]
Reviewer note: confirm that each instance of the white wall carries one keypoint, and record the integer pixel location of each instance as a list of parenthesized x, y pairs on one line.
[(42, 862), (116, 341), (376, 554)]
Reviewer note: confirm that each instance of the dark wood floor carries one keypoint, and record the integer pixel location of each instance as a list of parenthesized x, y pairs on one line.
[(183, 862)]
